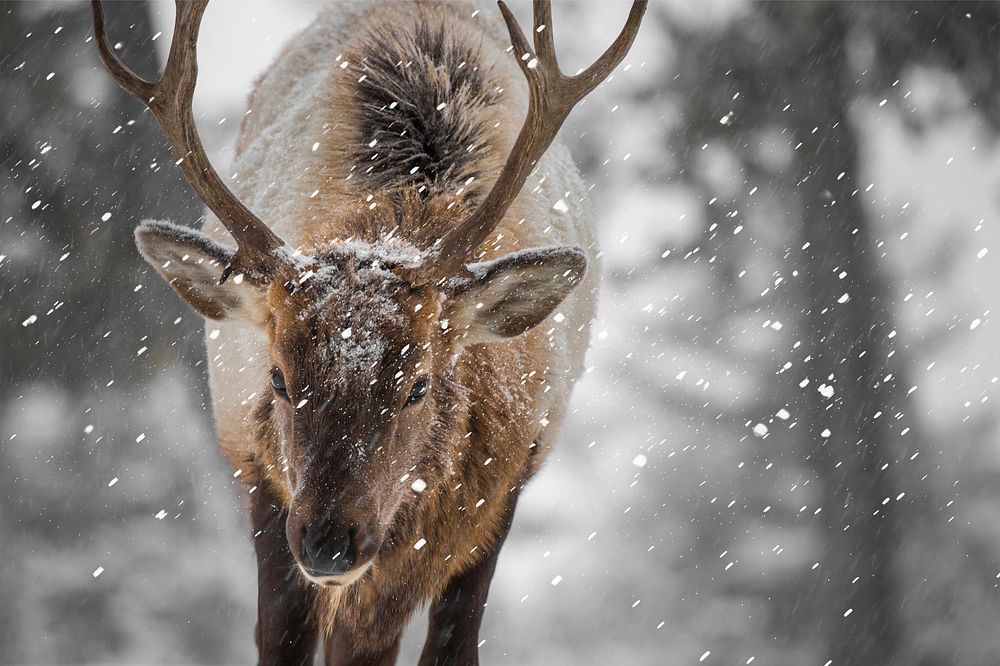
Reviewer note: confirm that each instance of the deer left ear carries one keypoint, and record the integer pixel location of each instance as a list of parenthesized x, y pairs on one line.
[(191, 262), (511, 295)]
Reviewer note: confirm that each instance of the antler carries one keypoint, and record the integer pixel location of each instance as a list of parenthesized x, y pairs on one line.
[(552, 95), (170, 99)]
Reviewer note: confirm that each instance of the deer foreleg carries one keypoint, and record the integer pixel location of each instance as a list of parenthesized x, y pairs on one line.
[(453, 633), (286, 631)]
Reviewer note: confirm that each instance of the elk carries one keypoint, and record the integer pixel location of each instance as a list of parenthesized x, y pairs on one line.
[(391, 355)]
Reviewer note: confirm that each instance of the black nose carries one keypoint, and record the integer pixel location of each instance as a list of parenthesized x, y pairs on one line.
[(327, 551)]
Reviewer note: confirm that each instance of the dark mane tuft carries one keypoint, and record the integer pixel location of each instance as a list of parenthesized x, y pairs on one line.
[(405, 76)]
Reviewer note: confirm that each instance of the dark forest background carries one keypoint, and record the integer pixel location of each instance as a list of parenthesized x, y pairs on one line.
[(786, 450)]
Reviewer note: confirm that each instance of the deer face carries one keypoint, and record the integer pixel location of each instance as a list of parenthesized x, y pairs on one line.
[(361, 348), (353, 350)]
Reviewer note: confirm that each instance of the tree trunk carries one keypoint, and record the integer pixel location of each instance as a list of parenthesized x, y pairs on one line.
[(849, 444)]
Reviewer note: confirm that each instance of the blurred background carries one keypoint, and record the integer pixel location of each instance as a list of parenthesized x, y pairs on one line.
[(786, 449)]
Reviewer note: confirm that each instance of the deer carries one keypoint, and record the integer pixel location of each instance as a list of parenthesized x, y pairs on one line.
[(391, 355)]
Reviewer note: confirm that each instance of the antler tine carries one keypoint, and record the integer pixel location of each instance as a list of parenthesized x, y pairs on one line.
[(551, 96), (591, 77), (518, 41), (544, 44), (170, 99), (125, 77)]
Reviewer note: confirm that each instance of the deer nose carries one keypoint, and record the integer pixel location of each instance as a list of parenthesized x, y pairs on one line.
[(327, 551)]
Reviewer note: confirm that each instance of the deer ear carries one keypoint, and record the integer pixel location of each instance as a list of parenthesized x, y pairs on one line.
[(191, 263), (508, 296)]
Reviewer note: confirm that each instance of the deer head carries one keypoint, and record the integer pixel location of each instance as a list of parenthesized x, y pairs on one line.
[(361, 337)]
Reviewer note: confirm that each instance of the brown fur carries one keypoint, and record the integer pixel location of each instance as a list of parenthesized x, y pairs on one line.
[(483, 402), (483, 409), (345, 446)]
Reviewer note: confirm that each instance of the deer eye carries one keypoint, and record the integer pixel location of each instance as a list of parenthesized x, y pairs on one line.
[(418, 391), (278, 384)]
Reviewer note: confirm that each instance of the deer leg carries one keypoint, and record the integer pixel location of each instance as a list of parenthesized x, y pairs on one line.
[(453, 633), (286, 632)]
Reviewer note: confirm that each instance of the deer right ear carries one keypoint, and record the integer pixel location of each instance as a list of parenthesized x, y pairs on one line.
[(191, 263)]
